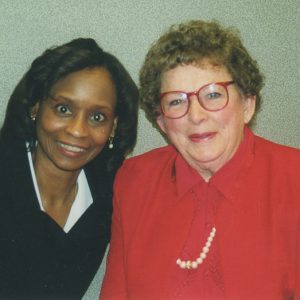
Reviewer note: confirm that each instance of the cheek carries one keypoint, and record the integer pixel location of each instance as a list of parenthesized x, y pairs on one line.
[(99, 137), (47, 122), (51, 126), (175, 126), (232, 128), (231, 118), (226, 121)]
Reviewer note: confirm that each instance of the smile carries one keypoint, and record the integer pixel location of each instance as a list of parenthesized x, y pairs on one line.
[(71, 148)]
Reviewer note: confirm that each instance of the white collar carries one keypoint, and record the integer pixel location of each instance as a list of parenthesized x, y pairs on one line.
[(81, 203)]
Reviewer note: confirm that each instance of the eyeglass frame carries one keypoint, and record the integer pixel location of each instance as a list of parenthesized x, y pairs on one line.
[(196, 93)]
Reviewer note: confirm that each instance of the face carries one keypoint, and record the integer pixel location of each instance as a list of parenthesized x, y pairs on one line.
[(74, 123), (205, 139)]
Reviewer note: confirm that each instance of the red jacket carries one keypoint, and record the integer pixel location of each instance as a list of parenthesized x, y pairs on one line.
[(258, 227)]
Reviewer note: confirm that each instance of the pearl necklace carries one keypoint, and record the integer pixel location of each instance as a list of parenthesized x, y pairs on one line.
[(194, 264)]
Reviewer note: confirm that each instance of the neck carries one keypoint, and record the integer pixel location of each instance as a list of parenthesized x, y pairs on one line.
[(57, 187), (58, 190)]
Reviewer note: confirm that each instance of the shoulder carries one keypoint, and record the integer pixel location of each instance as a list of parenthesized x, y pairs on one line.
[(100, 184), (11, 155), (278, 165), (15, 148), (276, 152), (153, 160), (145, 169)]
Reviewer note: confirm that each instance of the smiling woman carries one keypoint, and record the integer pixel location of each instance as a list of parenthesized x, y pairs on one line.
[(75, 122), (215, 214), (63, 139), (72, 126)]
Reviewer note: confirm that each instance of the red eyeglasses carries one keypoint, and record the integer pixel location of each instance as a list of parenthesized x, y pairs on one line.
[(212, 97)]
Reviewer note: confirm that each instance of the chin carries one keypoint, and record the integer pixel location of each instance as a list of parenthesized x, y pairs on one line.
[(207, 158), (69, 167)]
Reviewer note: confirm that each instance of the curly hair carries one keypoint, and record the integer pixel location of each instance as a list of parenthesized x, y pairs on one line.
[(56, 63), (194, 42)]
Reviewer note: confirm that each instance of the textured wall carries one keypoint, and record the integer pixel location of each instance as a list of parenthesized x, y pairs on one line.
[(270, 30)]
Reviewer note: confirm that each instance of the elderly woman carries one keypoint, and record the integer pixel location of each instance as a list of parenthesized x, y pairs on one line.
[(215, 214), (68, 126)]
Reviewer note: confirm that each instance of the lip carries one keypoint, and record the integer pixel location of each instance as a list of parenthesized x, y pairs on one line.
[(70, 149), (202, 137)]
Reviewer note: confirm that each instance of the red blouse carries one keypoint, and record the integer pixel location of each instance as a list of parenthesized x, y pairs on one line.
[(163, 210), (206, 281)]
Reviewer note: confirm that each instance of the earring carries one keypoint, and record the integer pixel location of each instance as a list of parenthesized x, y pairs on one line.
[(33, 116), (111, 144)]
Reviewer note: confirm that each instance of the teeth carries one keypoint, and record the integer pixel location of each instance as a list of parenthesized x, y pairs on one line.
[(71, 148)]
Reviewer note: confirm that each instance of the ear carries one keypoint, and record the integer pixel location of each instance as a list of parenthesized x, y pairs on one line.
[(249, 108), (161, 123), (112, 134), (34, 110)]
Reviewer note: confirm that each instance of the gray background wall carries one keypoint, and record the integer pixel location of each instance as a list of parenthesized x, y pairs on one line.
[(270, 30)]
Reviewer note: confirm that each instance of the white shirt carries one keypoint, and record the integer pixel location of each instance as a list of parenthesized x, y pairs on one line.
[(81, 203)]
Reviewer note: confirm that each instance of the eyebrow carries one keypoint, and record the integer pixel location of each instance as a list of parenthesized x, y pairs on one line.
[(59, 98)]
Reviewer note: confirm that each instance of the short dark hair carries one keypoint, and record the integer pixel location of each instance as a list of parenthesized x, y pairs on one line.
[(56, 63), (193, 42)]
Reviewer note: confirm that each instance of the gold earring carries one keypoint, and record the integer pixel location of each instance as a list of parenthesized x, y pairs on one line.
[(111, 144)]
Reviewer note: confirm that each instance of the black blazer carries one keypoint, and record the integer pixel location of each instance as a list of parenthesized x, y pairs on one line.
[(38, 260)]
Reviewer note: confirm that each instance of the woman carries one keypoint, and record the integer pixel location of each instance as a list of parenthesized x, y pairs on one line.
[(69, 124), (215, 214)]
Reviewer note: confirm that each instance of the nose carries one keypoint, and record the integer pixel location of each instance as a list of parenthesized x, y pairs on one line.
[(77, 127), (196, 112)]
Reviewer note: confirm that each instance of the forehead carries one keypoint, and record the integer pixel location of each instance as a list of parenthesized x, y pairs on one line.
[(191, 77), (90, 76), (89, 84)]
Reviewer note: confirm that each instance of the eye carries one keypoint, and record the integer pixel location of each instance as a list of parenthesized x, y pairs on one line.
[(213, 95), (174, 99), (63, 109), (97, 117), (176, 102)]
